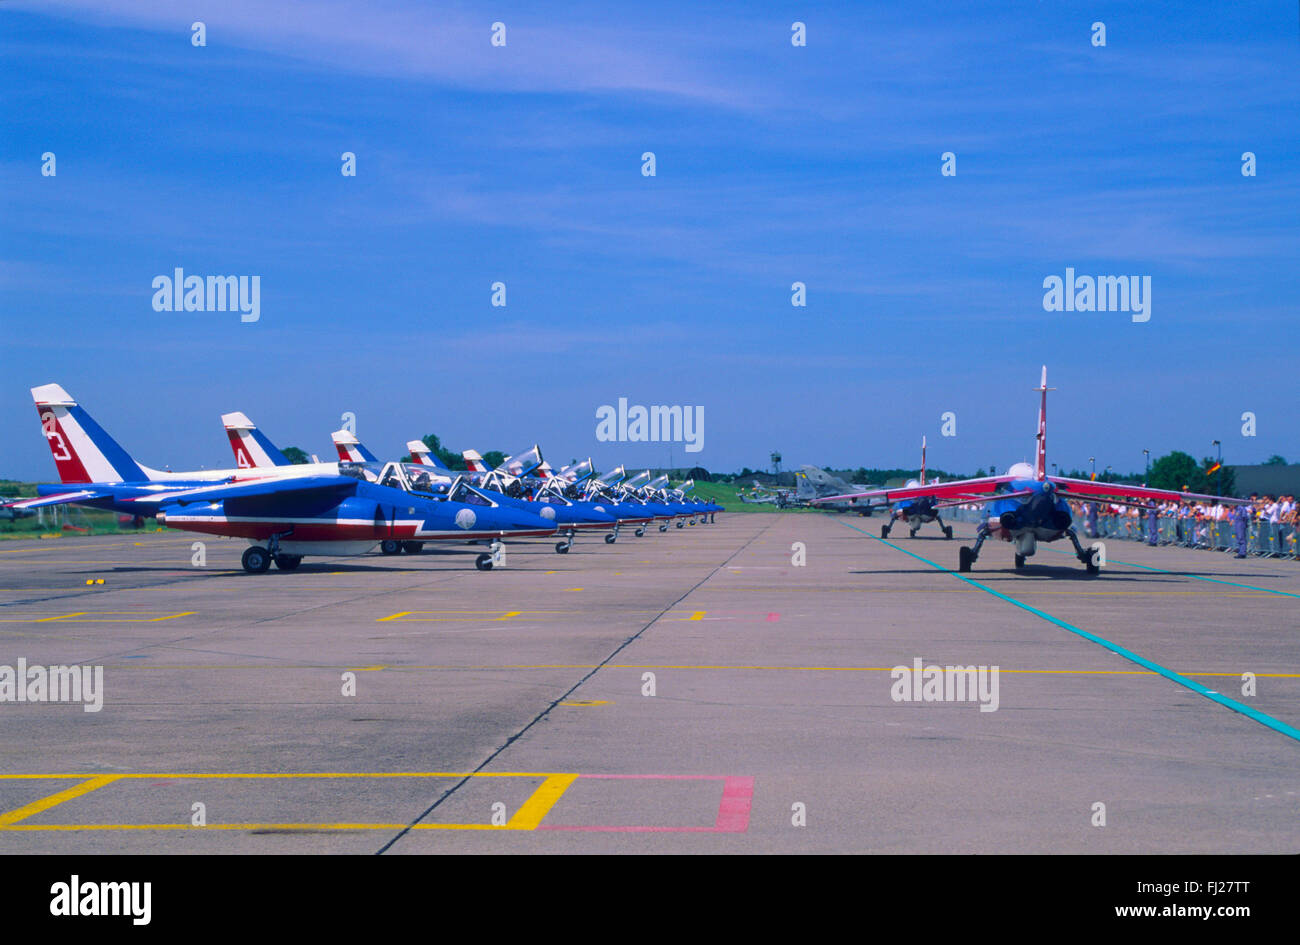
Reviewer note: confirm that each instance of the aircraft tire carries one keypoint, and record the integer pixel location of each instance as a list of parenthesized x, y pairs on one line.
[(680, 524), (561, 547), (663, 527), (947, 532), (1091, 564), (287, 562), (884, 531), (1020, 562), (390, 547), (256, 560), (640, 532), (483, 562), (964, 559), (412, 547), (609, 539)]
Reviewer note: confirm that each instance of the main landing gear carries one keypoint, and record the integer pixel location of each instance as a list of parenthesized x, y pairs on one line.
[(1089, 556), (257, 560), (562, 547), (489, 559), (968, 556)]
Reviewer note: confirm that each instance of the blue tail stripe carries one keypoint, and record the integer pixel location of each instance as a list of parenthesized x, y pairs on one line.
[(127, 469), (277, 458)]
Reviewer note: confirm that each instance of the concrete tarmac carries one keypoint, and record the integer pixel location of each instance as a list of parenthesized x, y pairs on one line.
[(690, 691)]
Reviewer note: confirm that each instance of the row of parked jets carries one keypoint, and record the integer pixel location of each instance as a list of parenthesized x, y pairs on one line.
[(287, 511)]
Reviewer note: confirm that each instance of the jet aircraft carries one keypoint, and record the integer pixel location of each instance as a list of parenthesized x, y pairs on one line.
[(1026, 506)]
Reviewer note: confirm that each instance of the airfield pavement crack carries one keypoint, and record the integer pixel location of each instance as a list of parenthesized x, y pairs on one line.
[(568, 692)]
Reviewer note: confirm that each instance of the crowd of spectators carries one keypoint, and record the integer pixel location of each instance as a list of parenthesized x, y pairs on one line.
[(1195, 523)]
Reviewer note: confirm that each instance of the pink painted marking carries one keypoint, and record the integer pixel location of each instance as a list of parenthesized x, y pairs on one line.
[(773, 618), (733, 809)]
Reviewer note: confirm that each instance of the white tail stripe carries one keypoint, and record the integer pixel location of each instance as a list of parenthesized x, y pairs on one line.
[(77, 441)]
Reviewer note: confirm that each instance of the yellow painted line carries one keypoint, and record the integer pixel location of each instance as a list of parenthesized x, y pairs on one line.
[(61, 617), (371, 669), (1209, 592), (507, 616), (540, 803), (187, 613), (278, 775), (698, 615), (573, 588), (404, 613), (643, 666), (322, 826), (54, 800), (583, 703)]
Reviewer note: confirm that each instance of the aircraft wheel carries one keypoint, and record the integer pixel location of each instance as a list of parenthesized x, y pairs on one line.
[(964, 558), (911, 533), (1020, 562), (483, 562), (609, 539), (640, 532), (562, 547), (884, 531), (412, 547), (256, 560), (663, 527), (287, 562), (680, 524), (947, 531), (390, 547), (1091, 564)]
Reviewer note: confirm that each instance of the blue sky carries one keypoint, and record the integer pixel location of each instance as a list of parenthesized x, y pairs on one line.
[(775, 164)]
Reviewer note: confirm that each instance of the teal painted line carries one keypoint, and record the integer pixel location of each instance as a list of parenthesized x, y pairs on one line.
[(1253, 714), (1147, 567)]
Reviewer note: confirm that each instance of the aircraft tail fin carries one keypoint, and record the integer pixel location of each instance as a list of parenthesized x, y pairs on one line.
[(420, 453), (83, 451), (251, 446), (350, 449), (474, 462), (1040, 455)]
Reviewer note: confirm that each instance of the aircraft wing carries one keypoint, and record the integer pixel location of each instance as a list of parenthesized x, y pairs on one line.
[(962, 490), (1125, 495), (294, 487), (949, 503), (61, 498)]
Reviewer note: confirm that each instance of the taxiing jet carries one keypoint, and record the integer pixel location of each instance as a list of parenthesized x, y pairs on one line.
[(1026, 506), (916, 512)]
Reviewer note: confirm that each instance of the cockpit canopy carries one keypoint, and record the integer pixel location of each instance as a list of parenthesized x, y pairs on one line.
[(522, 464), (409, 477), (614, 475)]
